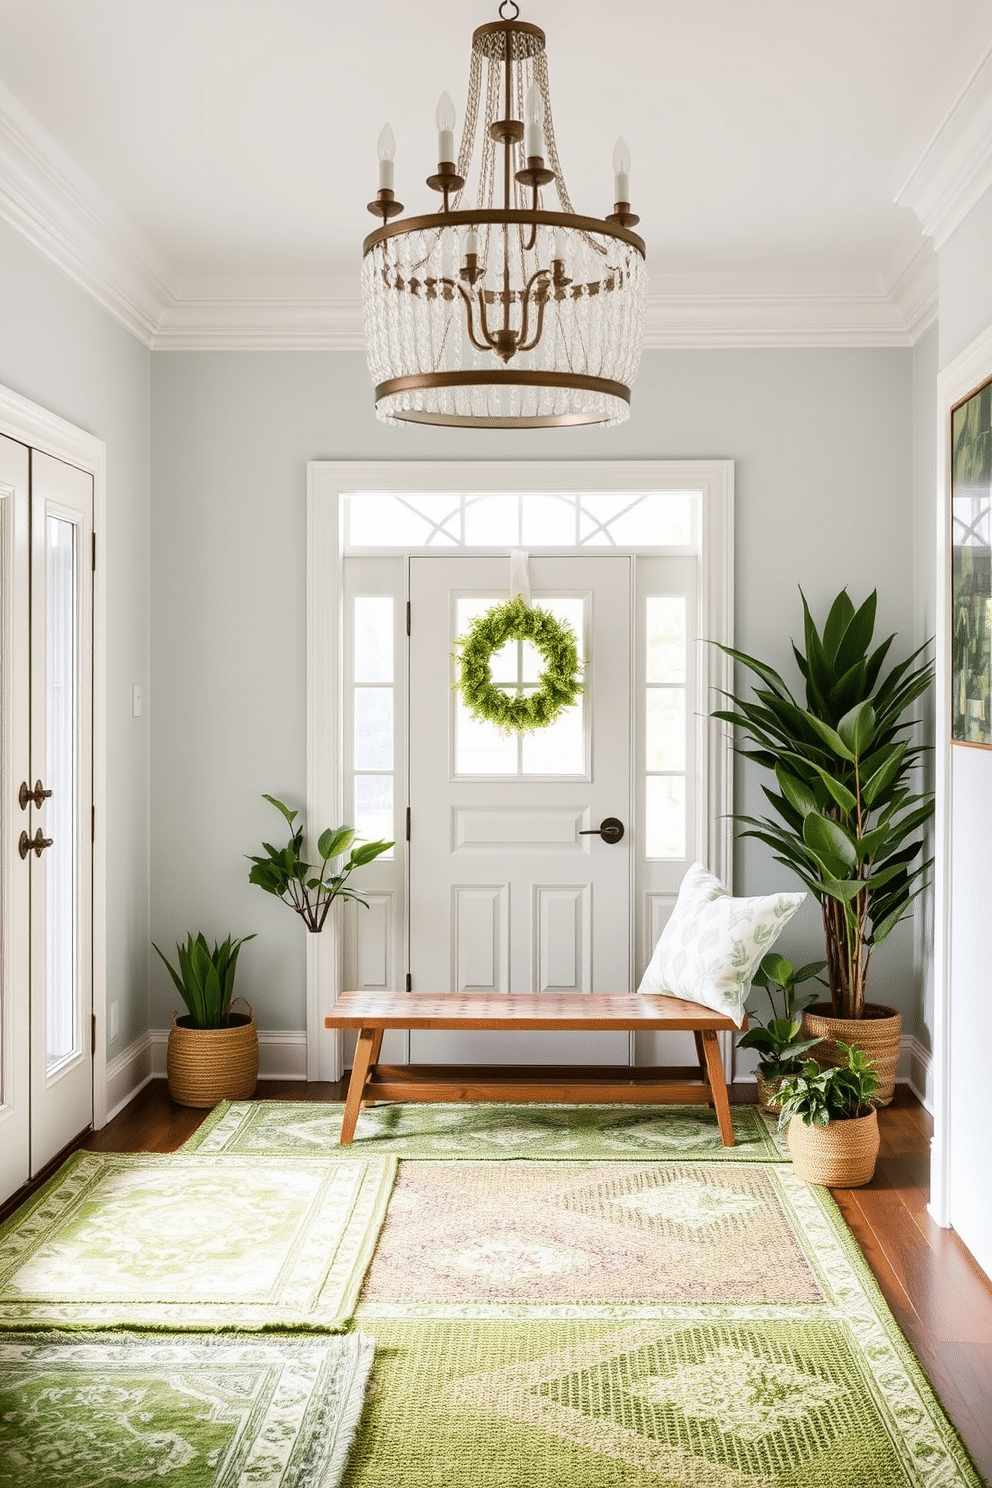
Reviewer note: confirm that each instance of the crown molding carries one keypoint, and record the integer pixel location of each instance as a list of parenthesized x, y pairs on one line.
[(60, 211), (684, 311), (955, 169), (63, 214)]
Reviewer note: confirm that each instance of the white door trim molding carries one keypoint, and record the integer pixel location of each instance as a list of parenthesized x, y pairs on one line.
[(965, 373), (328, 481), (34, 426)]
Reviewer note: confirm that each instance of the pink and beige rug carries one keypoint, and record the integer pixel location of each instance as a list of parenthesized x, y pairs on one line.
[(613, 1233)]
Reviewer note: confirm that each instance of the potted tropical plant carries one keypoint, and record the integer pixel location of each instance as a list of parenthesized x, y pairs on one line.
[(847, 820), (284, 871), (212, 1053), (832, 1121), (777, 1042)]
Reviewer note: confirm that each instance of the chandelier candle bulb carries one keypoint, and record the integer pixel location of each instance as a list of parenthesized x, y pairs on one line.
[(534, 118), (386, 150), (445, 117), (621, 172)]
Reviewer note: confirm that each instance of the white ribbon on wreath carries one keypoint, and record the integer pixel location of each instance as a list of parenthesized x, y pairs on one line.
[(519, 576)]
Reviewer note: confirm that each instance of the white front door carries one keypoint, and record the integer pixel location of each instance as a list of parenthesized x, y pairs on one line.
[(511, 888), (46, 1064)]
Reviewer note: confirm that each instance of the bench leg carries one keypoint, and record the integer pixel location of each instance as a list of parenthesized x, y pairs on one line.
[(376, 1046), (718, 1086), (367, 1047)]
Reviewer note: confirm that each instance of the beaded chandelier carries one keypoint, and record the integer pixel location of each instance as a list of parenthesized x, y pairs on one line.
[(514, 313)]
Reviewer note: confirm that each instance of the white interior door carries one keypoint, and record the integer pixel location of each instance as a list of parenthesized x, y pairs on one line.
[(46, 808), (510, 889), (15, 764)]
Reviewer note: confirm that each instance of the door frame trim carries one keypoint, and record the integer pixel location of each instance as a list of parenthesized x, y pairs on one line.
[(28, 423), (329, 480)]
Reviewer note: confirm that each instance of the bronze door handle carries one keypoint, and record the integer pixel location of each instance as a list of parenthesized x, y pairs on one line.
[(37, 843), (610, 829)]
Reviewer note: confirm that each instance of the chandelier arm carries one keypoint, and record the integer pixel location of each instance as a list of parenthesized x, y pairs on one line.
[(487, 344), (541, 300)]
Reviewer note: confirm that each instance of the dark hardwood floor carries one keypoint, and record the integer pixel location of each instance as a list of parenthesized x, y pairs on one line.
[(938, 1295)]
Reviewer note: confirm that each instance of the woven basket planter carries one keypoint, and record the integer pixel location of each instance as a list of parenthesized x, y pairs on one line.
[(768, 1093), (207, 1065), (840, 1155), (877, 1033)]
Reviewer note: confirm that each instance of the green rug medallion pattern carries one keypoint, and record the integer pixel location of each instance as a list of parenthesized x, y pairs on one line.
[(184, 1242), (193, 1412), (814, 1389), (474, 1130)]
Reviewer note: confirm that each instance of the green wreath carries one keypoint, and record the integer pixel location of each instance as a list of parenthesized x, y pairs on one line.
[(558, 686)]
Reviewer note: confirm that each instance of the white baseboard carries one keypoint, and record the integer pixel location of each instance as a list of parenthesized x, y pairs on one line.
[(127, 1073), (916, 1070), (282, 1055)]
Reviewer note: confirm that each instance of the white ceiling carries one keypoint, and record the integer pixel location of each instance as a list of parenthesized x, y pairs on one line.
[(206, 163)]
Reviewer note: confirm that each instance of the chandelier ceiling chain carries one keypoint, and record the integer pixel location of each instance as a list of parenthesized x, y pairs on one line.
[(509, 313)]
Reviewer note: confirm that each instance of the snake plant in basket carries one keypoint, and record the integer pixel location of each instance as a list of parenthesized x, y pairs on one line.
[(212, 1053), (284, 871), (847, 820)]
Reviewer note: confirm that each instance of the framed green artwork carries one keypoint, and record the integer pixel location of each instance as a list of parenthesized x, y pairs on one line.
[(971, 569)]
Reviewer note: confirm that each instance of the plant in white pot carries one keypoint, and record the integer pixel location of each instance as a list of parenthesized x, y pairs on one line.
[(212, 1053), (832, 1121), (848, 821), (286, 872)]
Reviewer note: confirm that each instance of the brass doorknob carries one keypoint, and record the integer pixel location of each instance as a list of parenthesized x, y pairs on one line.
[(610, 829), (26, 794), (37, 843)]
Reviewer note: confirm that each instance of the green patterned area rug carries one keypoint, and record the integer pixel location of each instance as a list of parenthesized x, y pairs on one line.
[(473, 1130), (741, 1341), (192, 1412), (186, 1242)]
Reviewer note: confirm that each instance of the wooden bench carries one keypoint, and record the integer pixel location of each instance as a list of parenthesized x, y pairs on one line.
[(373, 1012)]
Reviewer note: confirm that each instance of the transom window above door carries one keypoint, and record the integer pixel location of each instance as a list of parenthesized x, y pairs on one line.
[(375, 521)]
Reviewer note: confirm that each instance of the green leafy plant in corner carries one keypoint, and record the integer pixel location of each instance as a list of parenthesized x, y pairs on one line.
[(818, 1096), (847, 820), (777, 1042), (205, 977), (285, 872)]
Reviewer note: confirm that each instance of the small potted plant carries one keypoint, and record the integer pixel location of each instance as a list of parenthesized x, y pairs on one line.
[(832, 1120), (212, 1053), (777, 1042), (284, 872)]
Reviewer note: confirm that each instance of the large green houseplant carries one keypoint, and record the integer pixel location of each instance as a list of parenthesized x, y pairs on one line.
[(847, 819)]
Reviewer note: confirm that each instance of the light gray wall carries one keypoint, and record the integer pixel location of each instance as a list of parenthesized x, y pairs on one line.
[(965, 280), (59, 349), (823, 442)]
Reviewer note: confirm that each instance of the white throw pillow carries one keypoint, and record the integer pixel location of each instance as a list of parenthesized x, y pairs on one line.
[(712, 944)]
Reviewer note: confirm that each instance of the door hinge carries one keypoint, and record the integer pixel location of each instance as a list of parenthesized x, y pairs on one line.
[(408, 617), (93, 1025), (94, 551), (409, 982), (408, 824)]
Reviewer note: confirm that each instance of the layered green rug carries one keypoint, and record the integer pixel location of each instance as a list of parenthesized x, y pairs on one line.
[(489, 1130), (194, 1412), (183, 1242), (738, 1340)]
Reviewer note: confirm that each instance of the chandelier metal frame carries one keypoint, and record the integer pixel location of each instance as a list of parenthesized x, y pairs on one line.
[(510, 292)]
